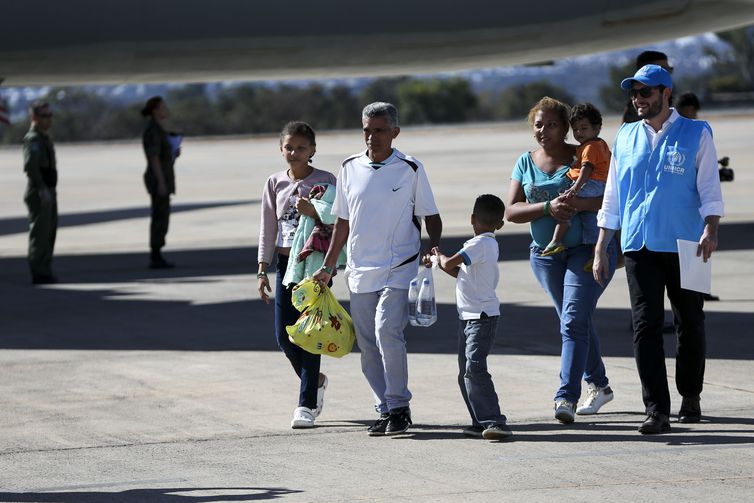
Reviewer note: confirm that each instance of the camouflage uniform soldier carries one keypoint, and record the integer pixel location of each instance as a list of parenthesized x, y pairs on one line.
[(40, 196)]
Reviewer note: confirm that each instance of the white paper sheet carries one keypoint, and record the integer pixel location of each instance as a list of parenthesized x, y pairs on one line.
[(175, 143), (696, 274)]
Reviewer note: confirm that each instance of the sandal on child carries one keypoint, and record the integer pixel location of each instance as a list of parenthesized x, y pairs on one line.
[(552, 249)]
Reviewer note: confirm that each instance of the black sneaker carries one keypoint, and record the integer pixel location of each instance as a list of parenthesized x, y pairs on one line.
[(160, 263), (399, 421), (497, 432), (44, 279), (473, 431), (379, 427)]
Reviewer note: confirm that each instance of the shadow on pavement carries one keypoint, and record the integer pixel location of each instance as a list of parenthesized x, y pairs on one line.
[(106, 318), (168, 495), (47, 318), (21, 224), (598, 431)]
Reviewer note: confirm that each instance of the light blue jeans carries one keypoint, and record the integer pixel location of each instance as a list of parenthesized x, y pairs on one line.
[(379, 319), (589, 230), (575, 294)]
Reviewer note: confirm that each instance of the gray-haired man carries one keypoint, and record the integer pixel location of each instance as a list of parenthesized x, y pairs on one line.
[(381, 196)]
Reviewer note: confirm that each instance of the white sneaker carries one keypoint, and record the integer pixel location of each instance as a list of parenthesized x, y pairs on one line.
[(303, 417), (321, 397), (564, 411), (595, 399)]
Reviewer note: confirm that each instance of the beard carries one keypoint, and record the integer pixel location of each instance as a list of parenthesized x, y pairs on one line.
[(653, 110)]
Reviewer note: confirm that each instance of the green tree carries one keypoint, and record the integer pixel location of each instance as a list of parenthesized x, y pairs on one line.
[(237, 106), (79, 114), (436, 100), (515, 102), (612, 97), (344, 109), (382, 89), (733, 70), (192, 111), (15, 132), (82, 115)]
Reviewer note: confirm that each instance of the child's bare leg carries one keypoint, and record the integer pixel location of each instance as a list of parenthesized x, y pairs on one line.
[(556, 245)]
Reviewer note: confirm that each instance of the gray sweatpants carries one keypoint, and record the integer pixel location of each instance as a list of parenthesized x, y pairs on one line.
[(379, 318)]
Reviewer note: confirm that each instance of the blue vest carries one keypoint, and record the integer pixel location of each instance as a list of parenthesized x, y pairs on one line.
[(659, 201)]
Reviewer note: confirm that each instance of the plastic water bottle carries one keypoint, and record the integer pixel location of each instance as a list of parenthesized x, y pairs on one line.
[(413, 298), (426, 311)]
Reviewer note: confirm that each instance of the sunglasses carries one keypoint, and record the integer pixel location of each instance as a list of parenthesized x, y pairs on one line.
[(45, 116), (644, 92)]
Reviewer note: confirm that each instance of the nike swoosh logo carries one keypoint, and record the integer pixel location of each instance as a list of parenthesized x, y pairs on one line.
[(396, 189)]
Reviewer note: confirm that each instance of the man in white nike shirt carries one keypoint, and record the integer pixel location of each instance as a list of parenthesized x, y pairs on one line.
[(382, 195)]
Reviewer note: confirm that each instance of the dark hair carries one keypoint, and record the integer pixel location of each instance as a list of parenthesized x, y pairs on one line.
[(298, 128), (548, 104), (151, 105), (489, 210), (648, 57), (37, 106), (688, 99), (586, 111)]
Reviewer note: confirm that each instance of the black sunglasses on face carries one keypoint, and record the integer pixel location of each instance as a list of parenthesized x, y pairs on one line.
[(644, 92), (45, 116)]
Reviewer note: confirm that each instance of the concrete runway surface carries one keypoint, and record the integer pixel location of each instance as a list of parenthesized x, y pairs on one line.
[(122, 384)]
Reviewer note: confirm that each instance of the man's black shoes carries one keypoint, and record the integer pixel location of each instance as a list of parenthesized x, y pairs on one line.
[(159, 262), (655, 423), (691, 411), (399, 421), (379, 426), (43, 279)]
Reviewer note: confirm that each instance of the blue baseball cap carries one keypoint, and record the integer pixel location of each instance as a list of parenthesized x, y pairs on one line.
[(649, 75)]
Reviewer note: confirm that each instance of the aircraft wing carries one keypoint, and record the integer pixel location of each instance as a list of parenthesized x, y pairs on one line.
[(117, 41)]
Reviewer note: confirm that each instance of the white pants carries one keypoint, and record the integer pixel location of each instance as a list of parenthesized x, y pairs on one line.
[(379, 318)]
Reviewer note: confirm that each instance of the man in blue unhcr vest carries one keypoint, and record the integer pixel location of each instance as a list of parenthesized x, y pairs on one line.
[(662, 185)]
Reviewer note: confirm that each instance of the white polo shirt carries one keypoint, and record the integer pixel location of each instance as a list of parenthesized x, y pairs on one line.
[(381, 203), (478, 277)]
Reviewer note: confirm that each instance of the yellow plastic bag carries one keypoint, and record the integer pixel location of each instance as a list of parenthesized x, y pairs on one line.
[(305, 294), (324, 327)]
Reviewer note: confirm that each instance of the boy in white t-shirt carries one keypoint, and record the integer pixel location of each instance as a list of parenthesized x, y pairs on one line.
[(477, 275)]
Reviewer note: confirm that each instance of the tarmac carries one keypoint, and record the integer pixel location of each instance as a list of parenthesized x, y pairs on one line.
[(123, 384)]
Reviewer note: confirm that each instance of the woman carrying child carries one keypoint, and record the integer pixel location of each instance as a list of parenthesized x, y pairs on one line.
[(534, 197)]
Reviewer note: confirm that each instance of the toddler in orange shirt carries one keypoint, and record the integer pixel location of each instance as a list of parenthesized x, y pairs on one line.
[(588, 172)]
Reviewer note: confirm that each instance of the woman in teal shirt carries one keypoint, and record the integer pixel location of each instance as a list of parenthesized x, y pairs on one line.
[(536, 183)]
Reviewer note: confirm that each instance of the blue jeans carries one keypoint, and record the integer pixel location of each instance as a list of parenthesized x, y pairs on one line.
[(575, 294), (589, 230), (305, 364), (475, 339)]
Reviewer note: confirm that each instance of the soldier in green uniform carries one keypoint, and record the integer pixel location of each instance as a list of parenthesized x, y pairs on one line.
[(41, 196), (159, 177)]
